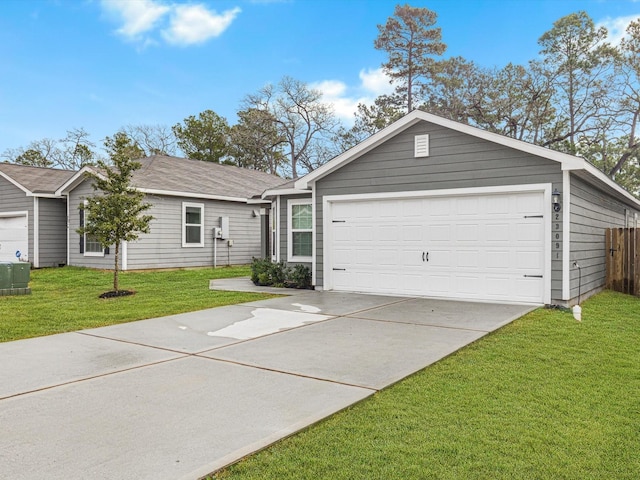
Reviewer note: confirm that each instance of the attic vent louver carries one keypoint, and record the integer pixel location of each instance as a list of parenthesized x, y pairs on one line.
[(422, 145)]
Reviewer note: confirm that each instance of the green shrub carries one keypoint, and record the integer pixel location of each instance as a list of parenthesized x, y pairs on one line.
[(267, 273), (260, 271), (300, 276)]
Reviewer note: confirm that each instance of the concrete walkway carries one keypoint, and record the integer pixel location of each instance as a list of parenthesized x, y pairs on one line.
[(180, 396)]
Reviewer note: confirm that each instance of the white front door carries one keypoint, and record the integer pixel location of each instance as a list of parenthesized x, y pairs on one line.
[(14, 238), (488, 247)]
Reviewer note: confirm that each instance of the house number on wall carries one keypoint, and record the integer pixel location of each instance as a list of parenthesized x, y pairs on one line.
[(557, 237)]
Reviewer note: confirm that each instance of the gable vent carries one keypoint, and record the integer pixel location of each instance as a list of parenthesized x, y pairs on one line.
[(422, 145)]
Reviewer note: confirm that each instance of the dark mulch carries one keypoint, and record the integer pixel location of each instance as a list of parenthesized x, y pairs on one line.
[(119, 293)]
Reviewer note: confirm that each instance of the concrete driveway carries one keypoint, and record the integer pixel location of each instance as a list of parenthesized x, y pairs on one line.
[(181, 396)]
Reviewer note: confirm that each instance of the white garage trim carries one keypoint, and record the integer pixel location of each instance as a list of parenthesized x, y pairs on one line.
[(545, 189), (566, 235)]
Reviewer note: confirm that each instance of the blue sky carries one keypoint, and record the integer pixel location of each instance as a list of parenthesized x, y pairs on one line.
[(103, 64)]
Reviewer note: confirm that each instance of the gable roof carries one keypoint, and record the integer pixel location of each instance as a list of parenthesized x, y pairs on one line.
[(567, 162), (35, 181), (164, 175)]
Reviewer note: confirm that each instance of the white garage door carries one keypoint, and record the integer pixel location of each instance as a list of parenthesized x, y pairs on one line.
[(486, 247), (13, 238)]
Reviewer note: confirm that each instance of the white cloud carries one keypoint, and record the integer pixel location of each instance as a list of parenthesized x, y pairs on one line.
[(617, 27), (137, 17), (192, 24), (376, 81), (345, 99), (188, 24)]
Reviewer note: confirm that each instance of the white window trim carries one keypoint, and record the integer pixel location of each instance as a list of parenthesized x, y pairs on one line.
[(290, 204), (184, 225), (86, 253)]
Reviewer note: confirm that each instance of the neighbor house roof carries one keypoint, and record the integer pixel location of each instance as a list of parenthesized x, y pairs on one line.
[(164, 175), (35, 181), (568, 162)]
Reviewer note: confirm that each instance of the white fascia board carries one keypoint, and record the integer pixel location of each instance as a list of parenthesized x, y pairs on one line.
[(285, 191), (44, 195), (171, 193), (258, 201), (13, 182), (76, 180)]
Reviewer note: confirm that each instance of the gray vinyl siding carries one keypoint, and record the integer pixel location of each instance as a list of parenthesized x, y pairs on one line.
[(283, 207), (13, 199), (52, 234), (455, 160), (592, 211), (77, 259), (162, 246)]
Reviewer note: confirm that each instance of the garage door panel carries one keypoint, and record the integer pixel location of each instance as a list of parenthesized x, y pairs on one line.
[(14, 237), (439, 285), (529, 232), (529, 203), (438, 232), (529, 260), (388, 233), (468, 259), (467, 232), (528, 288), (468, 285), (495, 259), (466, 206), (497, 233), (411, 208), (497, 286), (478, 247), (364, 257)]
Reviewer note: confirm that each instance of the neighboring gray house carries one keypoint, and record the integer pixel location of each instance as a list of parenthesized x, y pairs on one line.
[(33, 218), (437, 208), (189, 199)]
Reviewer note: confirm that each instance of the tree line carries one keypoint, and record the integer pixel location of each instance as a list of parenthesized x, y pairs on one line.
[(581, 96)]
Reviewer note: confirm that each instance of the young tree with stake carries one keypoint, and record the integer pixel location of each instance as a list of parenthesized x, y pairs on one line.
[(115, 213)]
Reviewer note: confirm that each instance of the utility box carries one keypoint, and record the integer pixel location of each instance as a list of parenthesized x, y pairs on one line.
[(224, 227), (21, 275), (6, 278), (14, 278)]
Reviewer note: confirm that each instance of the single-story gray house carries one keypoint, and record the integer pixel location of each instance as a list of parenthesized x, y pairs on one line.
[(192, 202), (33, 219), (432, 207)]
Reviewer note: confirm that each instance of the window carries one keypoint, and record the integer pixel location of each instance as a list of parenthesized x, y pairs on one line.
[(192, 225), (89, 244), (300, 230)]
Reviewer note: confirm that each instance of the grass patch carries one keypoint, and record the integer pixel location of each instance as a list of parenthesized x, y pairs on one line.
[(545, 397), (66, 299)]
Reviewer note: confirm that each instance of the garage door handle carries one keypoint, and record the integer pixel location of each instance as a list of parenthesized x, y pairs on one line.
[(425, 259), (533, 276), (339, 269)]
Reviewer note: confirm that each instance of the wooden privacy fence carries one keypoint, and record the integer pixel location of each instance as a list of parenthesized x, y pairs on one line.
[(623, 260)]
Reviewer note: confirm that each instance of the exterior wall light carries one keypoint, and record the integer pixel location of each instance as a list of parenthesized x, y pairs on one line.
[(555, 199)]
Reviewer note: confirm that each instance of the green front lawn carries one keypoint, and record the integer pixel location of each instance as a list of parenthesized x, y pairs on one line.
[(545, 397), (66, 299)]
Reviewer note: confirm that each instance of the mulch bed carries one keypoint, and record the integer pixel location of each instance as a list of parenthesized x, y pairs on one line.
[(119, 293)]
